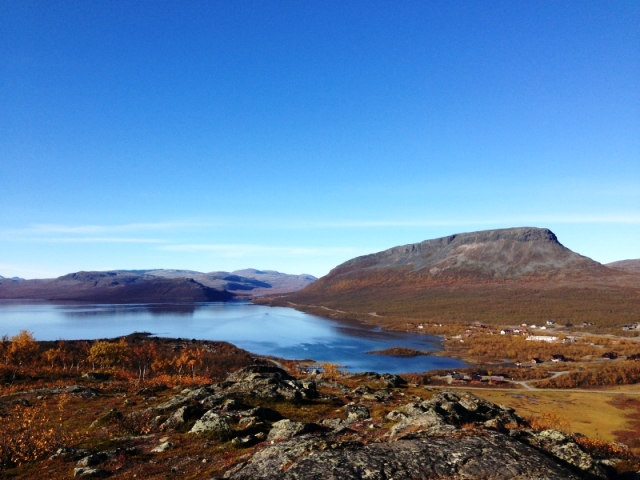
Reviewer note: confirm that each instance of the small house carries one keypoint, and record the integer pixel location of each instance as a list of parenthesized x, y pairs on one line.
[(557, 358), (536, 360)]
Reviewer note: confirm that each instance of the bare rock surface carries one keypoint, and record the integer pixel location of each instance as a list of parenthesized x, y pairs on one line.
[(453, 435), (270, 383), (212, 422), (473, 457), (286, 429), (182, 416)]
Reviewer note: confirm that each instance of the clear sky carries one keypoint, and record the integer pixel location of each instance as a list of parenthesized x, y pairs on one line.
[(294, 135)]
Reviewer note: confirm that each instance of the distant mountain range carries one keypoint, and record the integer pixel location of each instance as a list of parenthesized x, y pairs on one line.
[(247, 281), (15, 279), (153, 286), (511, 274)]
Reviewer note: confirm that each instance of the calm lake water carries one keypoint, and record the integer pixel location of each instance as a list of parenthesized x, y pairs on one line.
[(277, 331)]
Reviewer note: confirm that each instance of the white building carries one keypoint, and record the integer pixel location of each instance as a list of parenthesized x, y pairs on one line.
[(542, 338)]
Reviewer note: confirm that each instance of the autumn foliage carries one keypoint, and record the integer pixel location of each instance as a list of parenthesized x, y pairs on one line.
[(138, 357), (29, 433)]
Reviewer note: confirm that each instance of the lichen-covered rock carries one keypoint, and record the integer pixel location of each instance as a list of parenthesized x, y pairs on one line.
[(286, 429), (90, 472), (382, 395), (92, 460), (494, 456), (462, 407), (81, 391), (250, 422), (269, 382), (163, 447), (181, 416), (393, 381), (412, 409), (415, 424), (263, 413), (111, 416), (69, 453), (395, 415), (171, 404), (232, 405), (565, 448), (356, 412), (199, 393), (361, 390), (212, 422), (213, 400)]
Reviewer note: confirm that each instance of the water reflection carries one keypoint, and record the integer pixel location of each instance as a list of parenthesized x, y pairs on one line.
[(277, 331), (75, 310)]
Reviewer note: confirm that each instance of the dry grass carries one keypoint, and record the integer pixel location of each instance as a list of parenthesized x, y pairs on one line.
[(609, 306), (592, 414)]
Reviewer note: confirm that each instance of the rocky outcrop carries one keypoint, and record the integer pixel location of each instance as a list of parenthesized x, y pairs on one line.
[(452, 435), (182, 415), (269, 383), (286, 429), (212, 422), (492, 455)]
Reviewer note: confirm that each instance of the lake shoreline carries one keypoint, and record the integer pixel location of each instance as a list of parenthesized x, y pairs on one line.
[(371, 319), (276, 331)]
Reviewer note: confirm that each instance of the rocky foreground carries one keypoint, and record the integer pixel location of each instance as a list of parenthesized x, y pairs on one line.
[(377, 430)]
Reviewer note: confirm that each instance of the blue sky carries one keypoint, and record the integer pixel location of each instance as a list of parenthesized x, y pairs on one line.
[(294, 135)]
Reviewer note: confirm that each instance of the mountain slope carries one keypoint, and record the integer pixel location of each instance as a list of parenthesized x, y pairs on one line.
[(628, 265), (492, 254), (509, 275)]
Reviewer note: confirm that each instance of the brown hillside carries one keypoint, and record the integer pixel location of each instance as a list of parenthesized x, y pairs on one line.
[(629, 265), (497, 276)]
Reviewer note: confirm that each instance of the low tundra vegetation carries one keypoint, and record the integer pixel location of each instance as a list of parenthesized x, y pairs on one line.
[(125, 407)]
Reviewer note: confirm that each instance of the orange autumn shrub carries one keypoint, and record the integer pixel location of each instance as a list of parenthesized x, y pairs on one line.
[(29, 433)]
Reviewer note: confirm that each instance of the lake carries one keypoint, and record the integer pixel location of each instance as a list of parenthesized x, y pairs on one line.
[(278, 331)]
